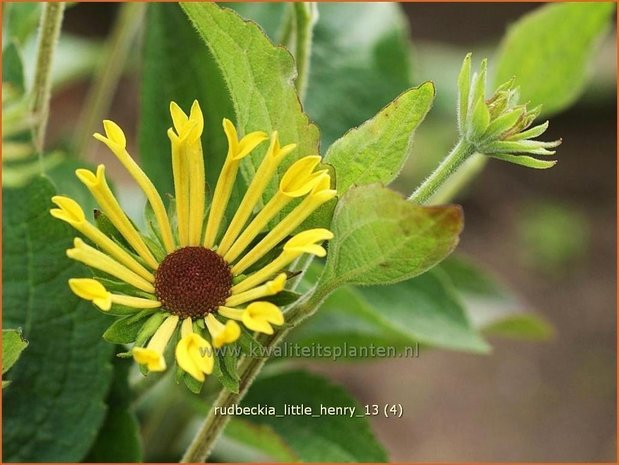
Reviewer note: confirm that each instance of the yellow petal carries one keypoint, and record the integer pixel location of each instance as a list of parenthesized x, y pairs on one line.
[(222, 334), (276, 285), (134, 302), (249, 143), (73, 214), (254, 192), (153, 360), (152, 354), (116, 142), (267, 289), (197, 118), (69, 210), (99, 188), (320, 194), (305, 242), (194, 355), (94, 258), (93, 290), (259, 316), (299, 179), (238, 149), (179, 118), (231, 135), (114, 133)]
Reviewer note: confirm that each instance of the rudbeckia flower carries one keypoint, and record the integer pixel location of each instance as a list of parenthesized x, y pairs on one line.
[(197, 277)]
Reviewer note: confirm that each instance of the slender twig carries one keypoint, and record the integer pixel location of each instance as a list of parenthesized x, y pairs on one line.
[(109, 72), (306, 15), (287, 31), (249, 367), (459, 180), (49, 31), (214, 424), (458, 155)]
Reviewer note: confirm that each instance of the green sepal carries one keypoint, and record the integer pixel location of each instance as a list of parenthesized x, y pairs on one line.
[(225, 367), (523, 160), (479, 82), (503, 124), (106, 227), (149, 327), (120, 287), (238, 278), (535, 131), (192, 384), (268, 257), (533, 147), (479, 121), (464, 82), (282, 298), (249, 344), (153, 240), (125, 330), (154, 246)]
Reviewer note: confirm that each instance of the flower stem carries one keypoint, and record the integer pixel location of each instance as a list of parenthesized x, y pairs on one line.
[(458, 155), (460, 179), (249, 367), (288, 28), (109, 72), (49, 31), (212, 427), (306, 14)]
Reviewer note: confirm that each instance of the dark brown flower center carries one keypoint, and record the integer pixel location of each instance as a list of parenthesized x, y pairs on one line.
[(192, 282)]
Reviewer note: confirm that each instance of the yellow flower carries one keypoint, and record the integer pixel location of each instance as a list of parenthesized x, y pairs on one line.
[(213, 276)]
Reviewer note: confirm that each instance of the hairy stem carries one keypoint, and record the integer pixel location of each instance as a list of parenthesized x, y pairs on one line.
[(460, 179), (286, 34), (49, 31), (458, 155), (108, 73), (212, 427), (306, 14), (249, 367)]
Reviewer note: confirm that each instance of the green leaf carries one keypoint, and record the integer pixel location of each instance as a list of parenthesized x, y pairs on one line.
[(423, 310), (549, 51), (119, 437), (377, 150), (125, 330), (325, 438), (357, 66), (374, 48), (381, 238), (270, 16), (261, 438), (490, 306), (13, 69), (260, 80), (51, 402), (521, 326), (13, 344), (177, 66), (20, 20), (523, 160)]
